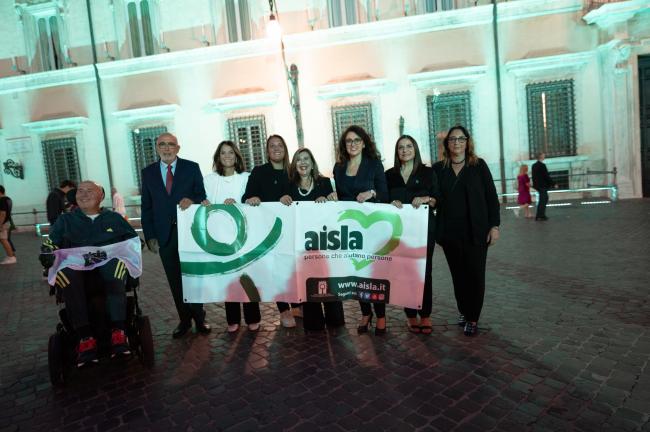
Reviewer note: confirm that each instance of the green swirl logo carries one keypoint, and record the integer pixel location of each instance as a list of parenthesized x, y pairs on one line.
[(206, 242)]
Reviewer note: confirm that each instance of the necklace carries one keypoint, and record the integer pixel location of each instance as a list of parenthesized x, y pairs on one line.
[(458, 163), (311, 187)]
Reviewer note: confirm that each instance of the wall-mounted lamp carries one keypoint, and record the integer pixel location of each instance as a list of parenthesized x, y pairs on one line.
[(273, 29), (14, 169), (15, 67), (107, 52), (67, 58), (163, 45)]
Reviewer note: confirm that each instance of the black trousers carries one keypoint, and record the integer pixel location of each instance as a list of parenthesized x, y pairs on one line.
[(252, 313), (76, 284), (541, 203), (283, 306), (172, 265), (366, 309), (314, 319), (427, 295), (467, 266)]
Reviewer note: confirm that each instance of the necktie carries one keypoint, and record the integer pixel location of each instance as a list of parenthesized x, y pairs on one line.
[(169, 180)]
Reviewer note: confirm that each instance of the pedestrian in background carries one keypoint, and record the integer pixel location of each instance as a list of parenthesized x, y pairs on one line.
[(523, 188), (118, 202), (542, 182), (56, 202), (5, 228)]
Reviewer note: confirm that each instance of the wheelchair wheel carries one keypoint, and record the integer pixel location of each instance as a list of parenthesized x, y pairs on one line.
[(56, 359), (145, 352)]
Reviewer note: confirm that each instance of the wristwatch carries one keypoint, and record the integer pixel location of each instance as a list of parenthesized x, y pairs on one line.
[(373, 193)]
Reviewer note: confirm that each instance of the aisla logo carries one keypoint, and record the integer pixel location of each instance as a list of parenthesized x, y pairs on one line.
[(206, 242), (344, 239)]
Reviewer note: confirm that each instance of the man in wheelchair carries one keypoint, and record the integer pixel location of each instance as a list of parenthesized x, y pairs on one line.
[(91, 239)]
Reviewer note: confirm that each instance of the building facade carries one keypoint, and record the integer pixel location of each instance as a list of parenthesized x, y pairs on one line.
[(569, 77)]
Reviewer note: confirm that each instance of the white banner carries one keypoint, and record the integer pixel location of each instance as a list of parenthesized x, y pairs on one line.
[(90, 257), (303, 252)]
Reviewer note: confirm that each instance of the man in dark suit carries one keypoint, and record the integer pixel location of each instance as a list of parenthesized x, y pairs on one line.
[(166, 184), (542, 182)]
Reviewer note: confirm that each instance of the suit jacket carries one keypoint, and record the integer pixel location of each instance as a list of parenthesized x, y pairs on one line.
[(369, 176), (422, 182), (481, 198), (159, 208), (541, 178)]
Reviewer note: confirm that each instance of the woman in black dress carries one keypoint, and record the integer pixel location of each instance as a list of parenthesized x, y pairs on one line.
[(359, 176), (467, 221), (412, 182), (306, 184), (267, 183)]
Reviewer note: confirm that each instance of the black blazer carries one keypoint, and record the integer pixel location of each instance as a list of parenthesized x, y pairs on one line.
[(369, 176), (322, 188), (541, 178), (422, 182), (482, 200), (159, 208), (266, 183)]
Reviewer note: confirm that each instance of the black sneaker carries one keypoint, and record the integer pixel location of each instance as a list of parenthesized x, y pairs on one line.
[(87, 352), (119, 343), (470, 329), (461, 320)]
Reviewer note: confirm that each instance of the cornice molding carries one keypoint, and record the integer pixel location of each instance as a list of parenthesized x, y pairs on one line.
[(355, 88), (611, 14), (249, 100), (156, 112), (55, 78), (567, 63), (66, 124), (461, 75), (191, 57)]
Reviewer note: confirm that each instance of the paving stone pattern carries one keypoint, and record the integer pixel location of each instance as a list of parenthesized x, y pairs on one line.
[(563, 345)]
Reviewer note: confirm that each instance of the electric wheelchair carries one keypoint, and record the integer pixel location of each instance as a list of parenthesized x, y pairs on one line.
[(62, 344)]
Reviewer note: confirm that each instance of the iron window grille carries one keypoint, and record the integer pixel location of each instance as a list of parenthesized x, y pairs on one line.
[(444, 111), (144, 148), (61, 161), (249, 133), (561, 178), (348, 115), (551, 118)]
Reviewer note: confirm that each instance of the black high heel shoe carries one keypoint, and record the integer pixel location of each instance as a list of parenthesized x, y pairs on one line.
[(380, 331), (364, 328)]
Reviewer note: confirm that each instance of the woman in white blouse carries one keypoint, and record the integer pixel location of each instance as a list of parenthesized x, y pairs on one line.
[(227, 185)]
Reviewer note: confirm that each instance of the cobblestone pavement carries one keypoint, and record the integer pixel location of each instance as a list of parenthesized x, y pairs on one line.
[(563, 345)]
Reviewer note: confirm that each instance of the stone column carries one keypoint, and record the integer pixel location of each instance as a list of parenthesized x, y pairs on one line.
[(618, 111)]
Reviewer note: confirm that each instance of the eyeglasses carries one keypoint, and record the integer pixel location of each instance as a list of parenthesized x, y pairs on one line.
[(353, 141), (167, 144), (460, 140)]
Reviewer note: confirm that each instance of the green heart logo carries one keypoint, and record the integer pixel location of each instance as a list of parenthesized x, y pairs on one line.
[(367, 221)]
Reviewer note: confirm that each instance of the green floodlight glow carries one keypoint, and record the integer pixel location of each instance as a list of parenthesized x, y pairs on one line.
[(613, 190)]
